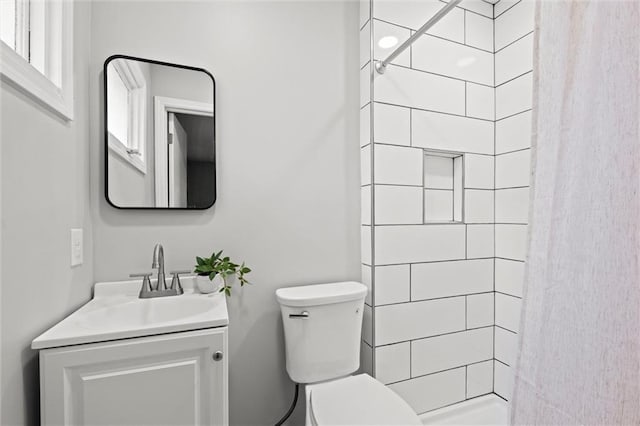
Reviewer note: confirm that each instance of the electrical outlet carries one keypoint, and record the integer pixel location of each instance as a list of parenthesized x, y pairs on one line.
[(76, 247)]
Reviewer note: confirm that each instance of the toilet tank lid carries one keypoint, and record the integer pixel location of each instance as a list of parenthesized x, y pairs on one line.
[(321, 294)]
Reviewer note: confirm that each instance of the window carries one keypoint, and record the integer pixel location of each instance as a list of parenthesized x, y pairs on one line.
[(36, 50), (127, 111)]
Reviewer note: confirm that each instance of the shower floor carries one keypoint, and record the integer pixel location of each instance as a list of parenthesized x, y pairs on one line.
[(485, 410)]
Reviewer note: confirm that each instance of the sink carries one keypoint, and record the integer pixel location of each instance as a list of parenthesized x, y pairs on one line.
[(116, 312), (144, 312)]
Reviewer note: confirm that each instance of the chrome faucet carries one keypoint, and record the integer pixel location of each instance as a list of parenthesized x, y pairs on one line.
[(158, 263), (160, 289)]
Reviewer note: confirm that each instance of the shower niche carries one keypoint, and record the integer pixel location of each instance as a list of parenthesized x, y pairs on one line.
[(443, 187)]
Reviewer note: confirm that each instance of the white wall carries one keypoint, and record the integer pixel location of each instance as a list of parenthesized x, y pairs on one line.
[(514, 56), (45, 193), (287, 127)]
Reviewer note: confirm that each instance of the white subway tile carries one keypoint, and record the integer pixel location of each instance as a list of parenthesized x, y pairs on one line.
[(451, 350), (415, 320), (397, 165), (409, 243), (417, 89), (365, 44), (367, 325), (393, 362), (444, 279), (509, 276), (514, 23), (451, 133), (365, 6), (366, 280), (365, 85), (480, 241), (511, 241), (392, 284), (508, 312), (438, 172), (433, 391), (513, 169), (438, 205), (480, 310), (512, 205), (515, 59), (365, 126), (414, 14), (477, 6), (514, 97), (443, 57), (366, 358), (478, 206), (392, 124), (479, 31), (398, 205), (383, 33), (365, 165), (503, 379), (478, 171), (480, 101), (479, 379), (365, 244), (513, 133), (365, 205), (506, 346), (503, 5)]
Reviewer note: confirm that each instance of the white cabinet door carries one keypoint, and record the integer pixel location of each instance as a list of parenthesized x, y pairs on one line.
[(171, 379)]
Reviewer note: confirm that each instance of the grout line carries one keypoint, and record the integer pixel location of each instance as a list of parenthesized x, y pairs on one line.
[(513, 78), (436, 335), (440, 75), (433, 110), (440, 371), (513, 42), (513, 115)]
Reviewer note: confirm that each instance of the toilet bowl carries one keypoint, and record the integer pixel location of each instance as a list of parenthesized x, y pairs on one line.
[(357, 400), (322, 328)]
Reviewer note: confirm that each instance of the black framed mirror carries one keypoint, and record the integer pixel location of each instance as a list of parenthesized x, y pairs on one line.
[(159, 121)]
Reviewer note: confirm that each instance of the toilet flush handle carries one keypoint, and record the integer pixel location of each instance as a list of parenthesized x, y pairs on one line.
[(303, 314)]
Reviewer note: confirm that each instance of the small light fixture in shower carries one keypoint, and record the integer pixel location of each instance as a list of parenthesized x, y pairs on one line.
[(388, 42)]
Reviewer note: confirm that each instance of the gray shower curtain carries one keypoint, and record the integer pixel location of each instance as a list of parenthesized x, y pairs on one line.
[(579, 360)]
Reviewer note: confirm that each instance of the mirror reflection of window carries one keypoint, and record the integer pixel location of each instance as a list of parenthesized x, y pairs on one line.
[(127, 111)]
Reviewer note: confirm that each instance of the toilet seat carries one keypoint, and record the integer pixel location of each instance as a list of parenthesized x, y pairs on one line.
[(358, 400)]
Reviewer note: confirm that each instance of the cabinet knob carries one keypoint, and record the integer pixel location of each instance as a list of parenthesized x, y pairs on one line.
[(217, 356)]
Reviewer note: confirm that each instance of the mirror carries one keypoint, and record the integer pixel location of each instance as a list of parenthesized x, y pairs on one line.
[(159, 135)]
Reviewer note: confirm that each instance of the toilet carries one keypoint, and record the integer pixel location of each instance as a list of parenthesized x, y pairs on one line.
[(322, 328)]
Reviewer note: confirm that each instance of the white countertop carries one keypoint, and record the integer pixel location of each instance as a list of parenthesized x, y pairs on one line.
[(116, 312)]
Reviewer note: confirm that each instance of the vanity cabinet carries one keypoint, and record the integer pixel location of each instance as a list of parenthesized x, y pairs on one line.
[(169, 379)]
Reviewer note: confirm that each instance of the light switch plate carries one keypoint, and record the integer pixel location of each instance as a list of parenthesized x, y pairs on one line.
[(76, 247)]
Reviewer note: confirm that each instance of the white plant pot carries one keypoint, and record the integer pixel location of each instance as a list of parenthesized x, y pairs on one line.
[(205, 285)]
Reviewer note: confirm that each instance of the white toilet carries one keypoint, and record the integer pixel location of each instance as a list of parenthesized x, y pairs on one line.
[(322, 327)]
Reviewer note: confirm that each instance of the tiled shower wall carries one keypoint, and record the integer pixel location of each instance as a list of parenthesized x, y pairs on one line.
[(432, 220), (513, 59)]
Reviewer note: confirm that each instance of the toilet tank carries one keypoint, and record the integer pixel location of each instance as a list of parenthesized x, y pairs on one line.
[(322, 328)]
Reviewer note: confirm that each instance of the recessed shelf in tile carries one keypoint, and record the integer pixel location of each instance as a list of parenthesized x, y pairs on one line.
[(442, 187)]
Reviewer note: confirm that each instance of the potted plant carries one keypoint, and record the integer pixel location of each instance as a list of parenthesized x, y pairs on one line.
[(217, 272)]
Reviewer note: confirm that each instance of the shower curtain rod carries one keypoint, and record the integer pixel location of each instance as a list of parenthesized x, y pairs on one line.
[(381, 66)]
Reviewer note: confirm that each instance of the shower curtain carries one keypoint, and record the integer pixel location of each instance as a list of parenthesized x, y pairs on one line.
[(579, 360)]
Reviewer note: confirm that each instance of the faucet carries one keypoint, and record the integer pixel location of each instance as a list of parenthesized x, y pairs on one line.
[(158, 262), (160, 289)]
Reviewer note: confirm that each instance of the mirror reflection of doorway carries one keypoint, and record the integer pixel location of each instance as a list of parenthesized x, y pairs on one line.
[(190, 159)]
